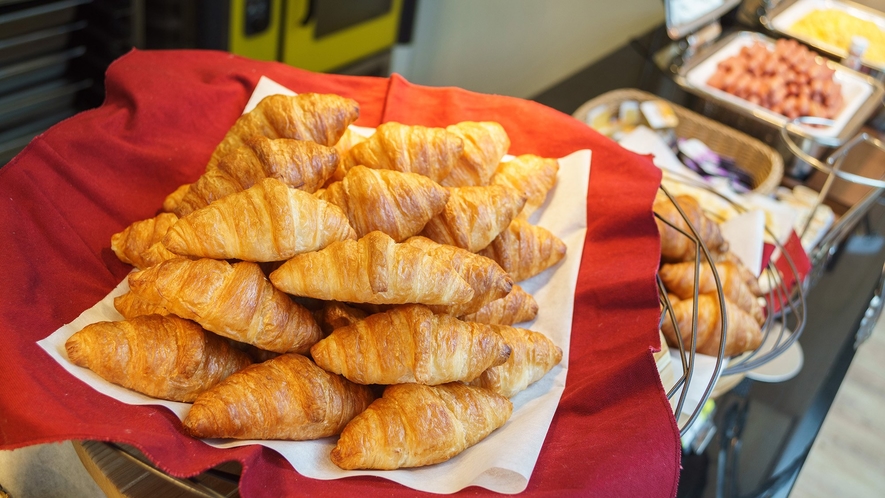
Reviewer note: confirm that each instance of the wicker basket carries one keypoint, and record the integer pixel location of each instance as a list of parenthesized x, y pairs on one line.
[(761, 162)]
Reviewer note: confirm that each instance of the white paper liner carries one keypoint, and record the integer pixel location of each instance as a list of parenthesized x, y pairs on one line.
[(504, 461)]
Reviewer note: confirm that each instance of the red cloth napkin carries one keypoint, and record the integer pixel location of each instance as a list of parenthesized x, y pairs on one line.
[(90, 176)]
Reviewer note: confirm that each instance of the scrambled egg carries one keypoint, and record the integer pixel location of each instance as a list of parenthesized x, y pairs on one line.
[(836, 27)]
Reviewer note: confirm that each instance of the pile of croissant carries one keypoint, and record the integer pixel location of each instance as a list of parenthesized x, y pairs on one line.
[(314, 283), (678, 272)]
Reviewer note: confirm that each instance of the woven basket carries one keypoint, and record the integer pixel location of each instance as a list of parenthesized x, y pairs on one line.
[(761, 162)]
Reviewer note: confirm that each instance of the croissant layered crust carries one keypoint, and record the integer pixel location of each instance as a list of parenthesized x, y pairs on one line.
[(411, 344), (233, 300), (679, 279), (485, 144), (532, 355), (375, 270), (161, 356), (743, 333), (287, 397), (525, 250), (533, 175), (676, 246), (266, 222), (299, 164), (516, 307), (473, 216), (431, 152), (414, 425), (398, 204), (139, 243)]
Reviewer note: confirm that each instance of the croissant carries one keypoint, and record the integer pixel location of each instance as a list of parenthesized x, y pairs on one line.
[(172, 200), (525, 250), (374, 269), (130, 305), (487, 279), (347, 141), (675, 246), (300, 164), (320, 118), (532, 355), (743, 332), (485, 144), (746, 275), (162, 356), (474, 216), (335, 315), (533, 175), (266, 222), (679, 278), (431, 152), (135, 244), (287, 397), (413, 425), (235, 301), (516, 307), (411, 344), (398, 204)]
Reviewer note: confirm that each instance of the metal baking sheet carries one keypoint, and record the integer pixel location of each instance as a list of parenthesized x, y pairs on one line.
[(783, 18), (861, 94)]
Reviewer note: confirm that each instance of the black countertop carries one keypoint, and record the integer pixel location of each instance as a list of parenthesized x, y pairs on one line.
[(763, 430)]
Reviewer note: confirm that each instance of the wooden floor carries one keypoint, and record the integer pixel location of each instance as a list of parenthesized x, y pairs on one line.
[(848, 456)]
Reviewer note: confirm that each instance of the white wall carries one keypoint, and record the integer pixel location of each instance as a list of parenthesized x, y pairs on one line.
[(517, 47)]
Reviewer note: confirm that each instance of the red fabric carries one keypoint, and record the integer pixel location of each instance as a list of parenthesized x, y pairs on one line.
[(90, 176), (801, 264)]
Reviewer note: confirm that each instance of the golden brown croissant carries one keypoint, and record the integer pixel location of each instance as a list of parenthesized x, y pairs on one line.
[(414, 425), (162, 356), (516, 307), (474, 216), (487, 279), (374, 269), (679, 278), (675, 246), (235, 301), (347, 141), (320, 118), (411, 344), (398, 204), (287, 397), (743, 332), (533, 175), (299, 164), (431, 152), (130, 305), (485, 144), (172, 200), (335, 315), (525, 250), (134, 245), (532, 355), (746, 275), (266, 222)]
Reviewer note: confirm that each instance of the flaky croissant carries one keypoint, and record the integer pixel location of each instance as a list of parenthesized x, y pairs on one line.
[(675, 246), (235, 301), (474, 216), (532, 355), (487, 279), (411, 344), (525, 250), (136, 244), (299, 164), (335, 315), (172, 200), (347, 141), (287, 397), (374, 269), (516, 307), (431, 152), (266, 222), (398, 204), (747, 276), (164, 357), (678, 278), (528, 173), (130, 305), (485, 144), (320, 118), (743, 332), (413, 425)]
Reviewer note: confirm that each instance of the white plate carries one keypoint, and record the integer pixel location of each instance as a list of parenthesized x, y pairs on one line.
[(783, 367)]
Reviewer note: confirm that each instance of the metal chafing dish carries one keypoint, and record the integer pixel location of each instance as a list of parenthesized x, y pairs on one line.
[(862, 94)]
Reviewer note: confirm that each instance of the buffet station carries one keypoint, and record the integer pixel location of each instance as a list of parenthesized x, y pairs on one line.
[(242, 278)]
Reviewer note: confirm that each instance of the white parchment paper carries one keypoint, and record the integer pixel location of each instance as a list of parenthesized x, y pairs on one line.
[(504, 461)]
